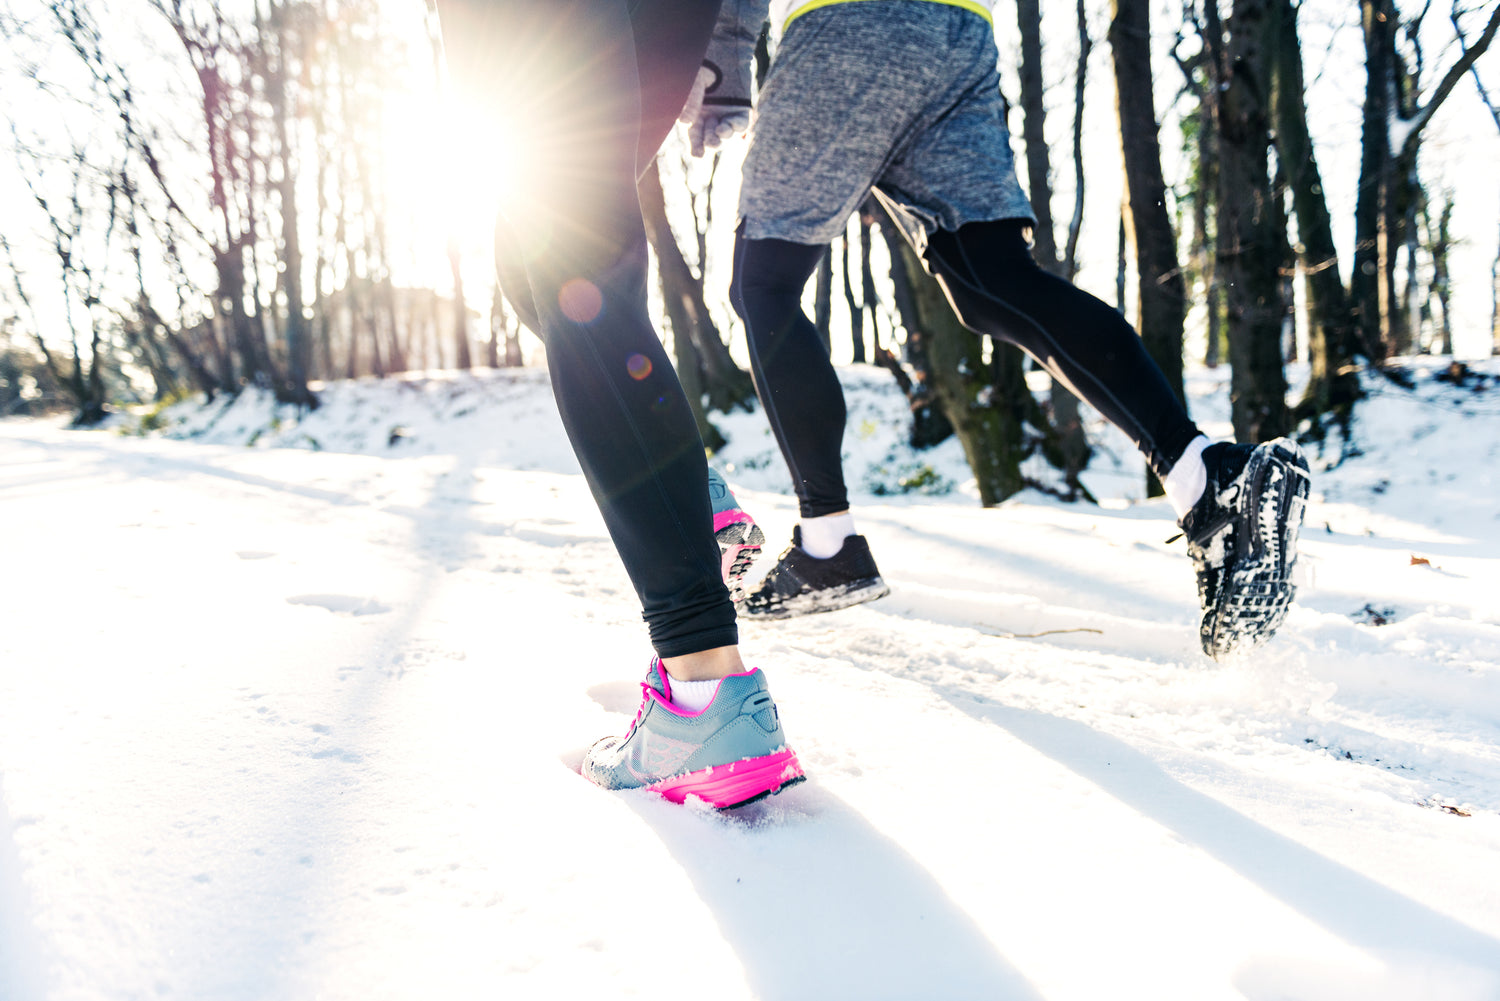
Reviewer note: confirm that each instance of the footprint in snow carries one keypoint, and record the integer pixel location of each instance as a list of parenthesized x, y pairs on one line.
[(622, 697), (343, 604)]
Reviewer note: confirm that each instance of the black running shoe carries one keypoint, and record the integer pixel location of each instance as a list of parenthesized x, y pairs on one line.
[(1242, 536), (800, 584)]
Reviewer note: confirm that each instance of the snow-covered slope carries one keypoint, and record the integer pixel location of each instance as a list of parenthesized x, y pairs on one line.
[(301, 722)]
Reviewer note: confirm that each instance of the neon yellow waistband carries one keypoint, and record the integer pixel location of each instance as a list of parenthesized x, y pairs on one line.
[(981, 9)]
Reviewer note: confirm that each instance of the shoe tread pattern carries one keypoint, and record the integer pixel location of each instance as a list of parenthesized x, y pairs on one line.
[(1247, 595)]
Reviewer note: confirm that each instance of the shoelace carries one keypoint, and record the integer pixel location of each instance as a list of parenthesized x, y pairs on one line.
[(641, 711)]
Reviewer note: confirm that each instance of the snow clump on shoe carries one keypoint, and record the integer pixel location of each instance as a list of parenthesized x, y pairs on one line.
[(802, 584), (1242, 537)]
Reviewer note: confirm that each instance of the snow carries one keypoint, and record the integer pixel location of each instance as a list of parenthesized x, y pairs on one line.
[(290, 708)]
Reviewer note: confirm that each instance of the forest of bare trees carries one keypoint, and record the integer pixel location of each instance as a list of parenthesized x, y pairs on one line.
[(203, 201)]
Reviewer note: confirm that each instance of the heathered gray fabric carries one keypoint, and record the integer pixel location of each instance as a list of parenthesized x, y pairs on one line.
[(899, 95), (780, 10)]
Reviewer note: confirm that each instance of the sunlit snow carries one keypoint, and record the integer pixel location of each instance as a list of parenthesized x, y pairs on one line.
[(291, 709)]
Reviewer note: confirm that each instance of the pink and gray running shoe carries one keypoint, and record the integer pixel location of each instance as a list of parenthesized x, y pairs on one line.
[(732, 753), (740, 538)]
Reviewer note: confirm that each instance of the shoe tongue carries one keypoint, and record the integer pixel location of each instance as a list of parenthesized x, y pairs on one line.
[(1225, 461), (718, 492), (797, 536)]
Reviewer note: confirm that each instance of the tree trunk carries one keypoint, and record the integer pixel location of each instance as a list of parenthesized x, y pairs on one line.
[(856, 312), (513, 357), (1333, 385), (690, 370), (823, 299), (675, 279), (869, 297), (1034, 133), (1080, 79), (293, 389), (248, 346), (1408, 334), (1371, 212), (1073, 448), (497, 328), (1122, 264), (983, 419), (462, 357), (1287, 272), (1161, 303), (1495, 304), (1207, 184), (930, 426), (725, 384), (1249, 249), (1442, 243)]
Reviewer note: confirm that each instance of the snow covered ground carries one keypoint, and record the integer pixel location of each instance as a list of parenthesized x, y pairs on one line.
[(302, 722)]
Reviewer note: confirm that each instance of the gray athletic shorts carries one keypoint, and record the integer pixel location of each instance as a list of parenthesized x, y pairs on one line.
[(899, 95)]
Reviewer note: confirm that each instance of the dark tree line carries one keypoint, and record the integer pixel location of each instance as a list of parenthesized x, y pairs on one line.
[(236, 228), (1256, 164)]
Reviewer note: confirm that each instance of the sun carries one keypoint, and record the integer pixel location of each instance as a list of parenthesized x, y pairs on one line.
[(455, 165)]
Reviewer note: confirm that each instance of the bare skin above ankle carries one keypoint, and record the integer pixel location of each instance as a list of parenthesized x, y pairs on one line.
[(707, 665)]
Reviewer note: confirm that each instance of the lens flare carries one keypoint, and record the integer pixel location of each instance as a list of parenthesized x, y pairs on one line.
[(580, 300), (639, 366)]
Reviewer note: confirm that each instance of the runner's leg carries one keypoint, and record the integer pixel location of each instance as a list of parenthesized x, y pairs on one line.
[(997, 288), (793, 375), (566, 73)]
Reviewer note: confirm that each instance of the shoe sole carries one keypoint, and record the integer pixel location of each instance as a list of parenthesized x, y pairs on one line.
[(816, 602), (740, 543), (725, 787), (1257, 593)]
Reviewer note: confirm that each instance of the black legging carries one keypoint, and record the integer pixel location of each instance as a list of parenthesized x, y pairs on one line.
[(592, 87), (997, 289)]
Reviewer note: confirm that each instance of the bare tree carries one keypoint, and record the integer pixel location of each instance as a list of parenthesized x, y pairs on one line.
[(725, 384), (983, 419), (1395, 121), (1333, 386), (1073, 447), (930, 425), (1484, 95), (503, 325), (1439, 243), (1248, 246), (152, 336), (1161, 303), (856, 309), (1201, 139), (1080, 80), (286, 43), (50, 364), (81, 227), (1033, 133), (218, 57), (823, 299), (462, 357)]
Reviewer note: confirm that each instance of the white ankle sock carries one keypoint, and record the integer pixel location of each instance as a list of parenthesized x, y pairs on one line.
[(824, 537), (693, 696), (1187, 478)]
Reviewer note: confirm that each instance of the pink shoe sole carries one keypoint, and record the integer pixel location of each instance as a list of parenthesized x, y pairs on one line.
[(740, 540), (735, 784)]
